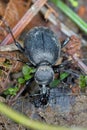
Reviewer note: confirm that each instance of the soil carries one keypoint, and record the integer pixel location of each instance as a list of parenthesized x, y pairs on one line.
[(65, 110)]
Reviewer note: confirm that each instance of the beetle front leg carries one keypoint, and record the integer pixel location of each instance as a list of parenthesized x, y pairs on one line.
[(27, 63), (65, 42), (28, 83)]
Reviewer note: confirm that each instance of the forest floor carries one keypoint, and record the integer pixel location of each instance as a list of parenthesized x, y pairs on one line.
[(66, 106)]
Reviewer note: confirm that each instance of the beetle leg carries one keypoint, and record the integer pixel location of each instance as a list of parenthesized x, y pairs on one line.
[(10, 31), (27, 63), (28, 85), (16, 43), (57, 68), (65, 42), (29, 81), (19, 47)]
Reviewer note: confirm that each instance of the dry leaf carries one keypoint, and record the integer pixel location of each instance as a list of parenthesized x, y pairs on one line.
[(74, 46), (12, 11)]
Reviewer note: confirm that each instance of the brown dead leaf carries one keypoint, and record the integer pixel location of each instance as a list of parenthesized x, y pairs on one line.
[(3, 6), (12, 56), (74, 46), (12, 11), (75, 89)]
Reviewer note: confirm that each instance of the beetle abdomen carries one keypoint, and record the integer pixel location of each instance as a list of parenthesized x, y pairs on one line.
[(41, 45)]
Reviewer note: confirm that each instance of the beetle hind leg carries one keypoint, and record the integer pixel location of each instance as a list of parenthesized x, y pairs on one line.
[(10, 31), (19, 47), (65, 42)]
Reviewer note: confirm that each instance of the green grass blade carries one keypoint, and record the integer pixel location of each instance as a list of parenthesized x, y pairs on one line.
[(73, 16), (25, 121)]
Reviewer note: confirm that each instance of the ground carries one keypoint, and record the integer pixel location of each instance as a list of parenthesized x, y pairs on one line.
[(64, 108)]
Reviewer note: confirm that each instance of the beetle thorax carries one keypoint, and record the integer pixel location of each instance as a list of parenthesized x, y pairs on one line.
[(44, 74)]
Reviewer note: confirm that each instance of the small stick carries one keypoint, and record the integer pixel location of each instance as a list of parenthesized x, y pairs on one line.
[(10, 47), (80, 64), (24, 21), (14, 98), (55, 21)]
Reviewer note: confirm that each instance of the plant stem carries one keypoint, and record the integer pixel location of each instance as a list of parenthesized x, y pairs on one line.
[(25, 121)]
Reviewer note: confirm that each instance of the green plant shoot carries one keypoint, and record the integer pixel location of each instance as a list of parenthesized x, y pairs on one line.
[(11, 91), (27, 74), (83, 81), (61, 78)]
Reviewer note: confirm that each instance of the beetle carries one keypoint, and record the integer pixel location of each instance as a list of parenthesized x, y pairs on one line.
[(42, 48)]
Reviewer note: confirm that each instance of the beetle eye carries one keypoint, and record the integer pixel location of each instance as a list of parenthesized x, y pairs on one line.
[(44, 75)]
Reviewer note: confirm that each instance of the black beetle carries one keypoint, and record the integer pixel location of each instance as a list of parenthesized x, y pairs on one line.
[(42, 48)]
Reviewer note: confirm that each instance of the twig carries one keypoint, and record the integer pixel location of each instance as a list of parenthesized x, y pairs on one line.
[(10, 47), (4, 84), (14, 98), (24, 21), (55, 21), (80, 64)]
